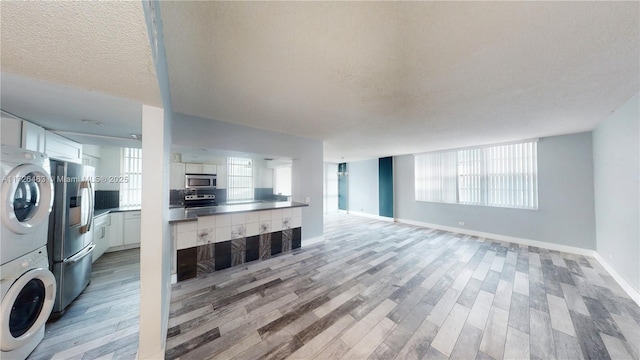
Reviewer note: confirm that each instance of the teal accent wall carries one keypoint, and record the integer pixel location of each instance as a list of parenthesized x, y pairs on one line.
[(385, 188), (342, 187)]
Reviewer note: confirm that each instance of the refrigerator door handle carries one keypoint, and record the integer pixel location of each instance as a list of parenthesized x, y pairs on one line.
[(86, 186), (81, 254)]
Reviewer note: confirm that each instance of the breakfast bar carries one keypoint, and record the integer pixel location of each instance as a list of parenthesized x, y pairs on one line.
[(217, 237)]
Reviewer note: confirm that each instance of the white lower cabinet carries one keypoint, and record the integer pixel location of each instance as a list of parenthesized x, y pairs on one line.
[(116, 240), (124, 232), (101, 225), (132, 227)]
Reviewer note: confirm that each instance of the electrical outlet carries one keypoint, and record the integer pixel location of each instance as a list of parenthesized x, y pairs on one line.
[(461, 223)]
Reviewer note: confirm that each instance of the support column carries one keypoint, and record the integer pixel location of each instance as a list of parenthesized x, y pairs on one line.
[(155, 244)]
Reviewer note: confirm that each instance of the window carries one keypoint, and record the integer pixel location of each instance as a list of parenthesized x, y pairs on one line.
[(239, 179), (131, 170), (436, 177), (470, 179), (502, 175), (512, 175), (282, 180)]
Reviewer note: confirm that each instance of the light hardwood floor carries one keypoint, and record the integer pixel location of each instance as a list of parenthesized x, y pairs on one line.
[(374, 290), (103, 321), (382, 290)]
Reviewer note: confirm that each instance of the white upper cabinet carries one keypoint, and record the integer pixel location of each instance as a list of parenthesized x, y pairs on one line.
[(58, 147), (176, 180), (23, 134), (33, 137), (221, 178), (11, 131), (200, 169)]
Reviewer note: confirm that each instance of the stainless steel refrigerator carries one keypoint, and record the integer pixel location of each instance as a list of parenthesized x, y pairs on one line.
[(69, 242)]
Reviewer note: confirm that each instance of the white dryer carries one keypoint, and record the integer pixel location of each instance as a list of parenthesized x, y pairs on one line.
[(28, 294), (26, 197)]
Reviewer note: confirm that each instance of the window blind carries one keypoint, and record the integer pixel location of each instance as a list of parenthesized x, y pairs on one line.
[(239, 179), (435, 177), (512, 179), (501, 175), (131, 170), (470, 176)]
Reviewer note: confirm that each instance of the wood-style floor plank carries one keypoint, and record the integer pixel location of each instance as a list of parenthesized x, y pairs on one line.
[(103, 321), (383, 290), (373, 289)]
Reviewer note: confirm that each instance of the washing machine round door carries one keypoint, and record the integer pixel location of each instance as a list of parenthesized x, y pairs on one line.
[(27, 196), (26, 307)]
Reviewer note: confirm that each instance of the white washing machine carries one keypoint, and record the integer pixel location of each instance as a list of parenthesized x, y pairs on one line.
[(28, 291), (26, 197)]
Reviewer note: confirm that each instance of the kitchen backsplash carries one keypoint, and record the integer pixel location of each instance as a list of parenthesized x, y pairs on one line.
[(107, 199), (176, 196)]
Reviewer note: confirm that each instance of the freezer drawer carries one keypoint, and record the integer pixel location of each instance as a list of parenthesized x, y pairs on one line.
[(73, 275)]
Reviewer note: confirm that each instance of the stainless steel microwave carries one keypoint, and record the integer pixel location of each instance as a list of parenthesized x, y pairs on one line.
[(200, 181)]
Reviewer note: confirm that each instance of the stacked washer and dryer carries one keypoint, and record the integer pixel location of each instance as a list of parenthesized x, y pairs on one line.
[(27, 286)]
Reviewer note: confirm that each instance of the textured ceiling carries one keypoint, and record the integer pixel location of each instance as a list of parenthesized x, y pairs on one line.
[(368, 78), (383, 78), (101, 47)]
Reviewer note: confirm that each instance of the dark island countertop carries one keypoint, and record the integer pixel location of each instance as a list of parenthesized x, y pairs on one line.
[(181, 214)]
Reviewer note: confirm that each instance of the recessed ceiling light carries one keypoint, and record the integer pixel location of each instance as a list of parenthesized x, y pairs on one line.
[(92, 122)]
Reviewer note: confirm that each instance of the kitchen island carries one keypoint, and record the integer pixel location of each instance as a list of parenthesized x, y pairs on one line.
[(217, 237)]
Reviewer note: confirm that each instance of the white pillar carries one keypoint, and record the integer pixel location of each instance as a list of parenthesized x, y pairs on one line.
[(155, 244)]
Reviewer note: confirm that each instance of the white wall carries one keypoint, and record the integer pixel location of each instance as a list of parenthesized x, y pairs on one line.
[(565, 196), (363, 184), (109, 166), (263, 176), (306, 154), (616, 157)]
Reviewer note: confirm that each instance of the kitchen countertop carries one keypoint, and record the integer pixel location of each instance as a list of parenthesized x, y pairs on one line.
[(182, 214), (99, 212)]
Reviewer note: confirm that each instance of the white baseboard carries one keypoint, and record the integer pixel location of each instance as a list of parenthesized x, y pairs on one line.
[(371, 216), (315, 240), (630, 290), (517, 240)]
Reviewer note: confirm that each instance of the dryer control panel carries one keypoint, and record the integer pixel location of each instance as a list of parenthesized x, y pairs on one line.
[(34, 259)]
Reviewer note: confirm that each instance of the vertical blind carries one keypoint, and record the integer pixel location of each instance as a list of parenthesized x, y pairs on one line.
[(501, 175), (512, 179), (436, 177), (470, 176), (131, 169), (239, 179)]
